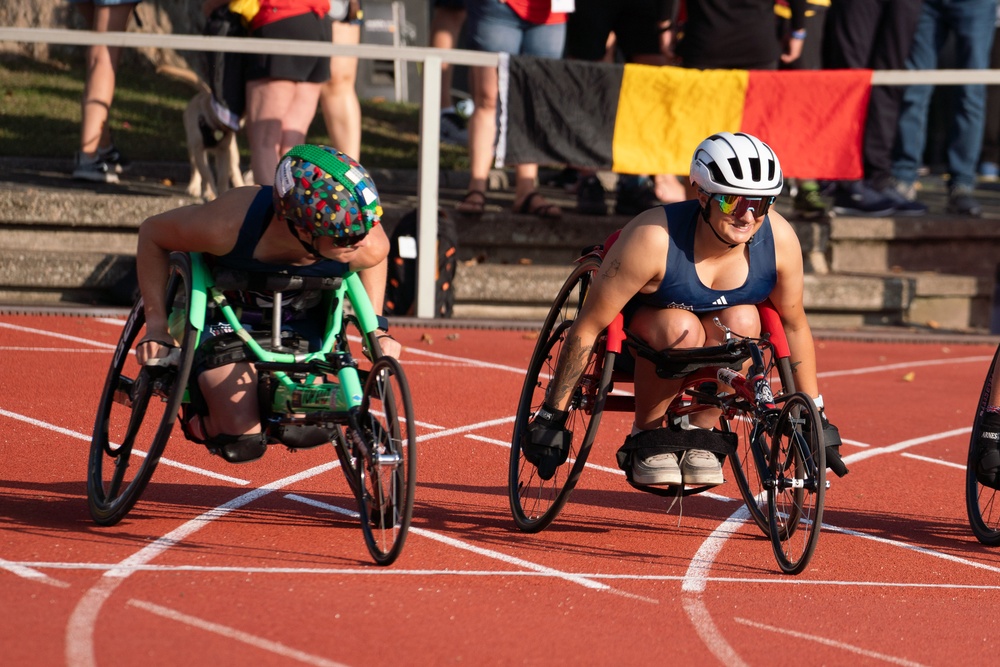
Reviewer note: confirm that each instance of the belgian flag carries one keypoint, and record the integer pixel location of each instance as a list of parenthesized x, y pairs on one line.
[(641, 119)]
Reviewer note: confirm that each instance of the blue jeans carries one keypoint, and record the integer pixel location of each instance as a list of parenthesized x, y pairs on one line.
[(493, 26), (972, 22)]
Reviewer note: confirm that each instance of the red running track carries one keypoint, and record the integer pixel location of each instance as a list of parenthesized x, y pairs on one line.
[(249, 565)]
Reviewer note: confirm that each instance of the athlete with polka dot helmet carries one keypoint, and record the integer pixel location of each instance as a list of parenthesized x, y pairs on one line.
[(325, 192)]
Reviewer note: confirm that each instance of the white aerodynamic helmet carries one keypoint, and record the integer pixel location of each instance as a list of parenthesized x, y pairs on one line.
[(736, 164)]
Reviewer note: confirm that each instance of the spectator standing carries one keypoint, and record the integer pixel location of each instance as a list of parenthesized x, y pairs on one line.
[(338, 98), (283, 91), (516, 27), (973, 24), (98, 160), (989, 157), (637, 26), (446, 28), (873, 34), (807, 203)]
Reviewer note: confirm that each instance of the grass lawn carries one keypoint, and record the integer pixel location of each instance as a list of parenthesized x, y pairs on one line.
[(40, 117)]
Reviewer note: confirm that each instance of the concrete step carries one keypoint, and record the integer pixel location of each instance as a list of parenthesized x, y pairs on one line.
[(63, 241)]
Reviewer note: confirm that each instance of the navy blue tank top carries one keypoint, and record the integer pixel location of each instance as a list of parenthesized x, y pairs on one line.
[(681, 287), (255, 223)]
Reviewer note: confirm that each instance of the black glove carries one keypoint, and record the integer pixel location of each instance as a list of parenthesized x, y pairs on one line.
[(831, 436), (988, 461), (546, 441)]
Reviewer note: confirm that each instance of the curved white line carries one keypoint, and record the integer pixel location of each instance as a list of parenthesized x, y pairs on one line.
[(83, 620)]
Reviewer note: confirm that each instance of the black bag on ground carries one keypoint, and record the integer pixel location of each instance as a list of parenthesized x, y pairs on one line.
[(226, 72), (401, 285)]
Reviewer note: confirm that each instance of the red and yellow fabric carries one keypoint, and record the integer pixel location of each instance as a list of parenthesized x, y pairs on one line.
[(648, 120)]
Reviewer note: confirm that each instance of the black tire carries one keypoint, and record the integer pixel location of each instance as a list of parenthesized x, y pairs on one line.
[(535, 502), (746, 470), (982, 502), (138, 406), (363, 348), (387, 473), (798, 471), (747, 462)]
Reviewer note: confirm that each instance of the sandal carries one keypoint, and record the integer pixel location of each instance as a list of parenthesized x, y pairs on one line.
[(473, 203), (543, 209)]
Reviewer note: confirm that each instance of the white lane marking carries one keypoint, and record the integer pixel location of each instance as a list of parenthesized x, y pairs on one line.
[(53, 334), (906, 444), (928, 459), (465, 546), (464, 360), (708, 632), (138, 452), (83, 620), (232, 633), (829, 642), (28, 571), (465, 429), (111, 320), (776, 580), (907, 364)]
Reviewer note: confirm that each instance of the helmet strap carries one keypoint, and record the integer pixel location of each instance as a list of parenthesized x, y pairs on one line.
[(705, 217), (310, 248)]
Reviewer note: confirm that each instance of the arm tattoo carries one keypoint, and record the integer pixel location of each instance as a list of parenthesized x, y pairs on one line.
[(572, 362), (612, 270)]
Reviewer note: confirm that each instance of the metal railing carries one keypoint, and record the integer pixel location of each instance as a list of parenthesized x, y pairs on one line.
[(430, 117)]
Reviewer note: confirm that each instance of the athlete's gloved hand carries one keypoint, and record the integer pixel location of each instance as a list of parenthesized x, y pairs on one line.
[(546, 441), (831, 436), (988, 458)]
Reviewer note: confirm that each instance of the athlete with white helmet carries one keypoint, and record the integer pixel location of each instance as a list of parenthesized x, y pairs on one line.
[(671, 271)]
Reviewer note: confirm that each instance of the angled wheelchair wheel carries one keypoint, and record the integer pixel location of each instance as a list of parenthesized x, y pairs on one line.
[(138, 406), (386, 463), (750, 463), (536, 502), (982, 502), (798, 483)]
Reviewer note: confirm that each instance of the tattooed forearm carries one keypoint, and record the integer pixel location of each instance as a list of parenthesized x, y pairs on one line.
[(572, 362), (612, 268)]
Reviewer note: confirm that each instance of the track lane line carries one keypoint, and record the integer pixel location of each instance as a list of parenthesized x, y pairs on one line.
[(87, 438), (232, 633), (831, 643)]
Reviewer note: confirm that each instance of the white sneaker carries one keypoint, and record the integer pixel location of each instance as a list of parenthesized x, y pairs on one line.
[(656, 469), (699, 466), (94, 169)]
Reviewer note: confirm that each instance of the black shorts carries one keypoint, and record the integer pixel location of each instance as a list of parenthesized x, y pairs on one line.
[(450, 4), (634, 22), (306, 27)]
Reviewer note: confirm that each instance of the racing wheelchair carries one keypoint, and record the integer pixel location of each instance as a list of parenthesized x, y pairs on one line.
[(774, 434), (359, 402)]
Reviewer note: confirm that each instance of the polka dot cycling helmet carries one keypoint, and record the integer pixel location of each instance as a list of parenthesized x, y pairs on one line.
[(326, 192), (736, 164)]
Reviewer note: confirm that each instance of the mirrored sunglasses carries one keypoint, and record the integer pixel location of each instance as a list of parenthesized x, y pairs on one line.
[(738, 205)]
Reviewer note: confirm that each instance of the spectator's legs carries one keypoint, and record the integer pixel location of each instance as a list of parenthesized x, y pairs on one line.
[(446, 25), (279, 113), (339, 97), (971, 22), (99, 88), (895, 30), (989, 159), (912, 135), (482, 126)]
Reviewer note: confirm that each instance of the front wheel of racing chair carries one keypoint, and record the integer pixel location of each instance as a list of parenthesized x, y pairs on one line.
[(535, 502), (138, 406), (798, 487), (385, 460)]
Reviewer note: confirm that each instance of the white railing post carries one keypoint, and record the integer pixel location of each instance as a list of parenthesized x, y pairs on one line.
[(427, 187)]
